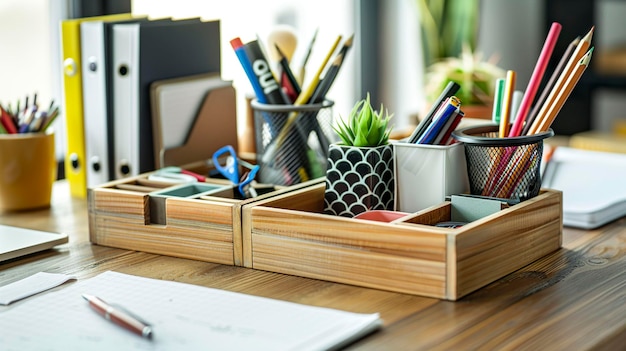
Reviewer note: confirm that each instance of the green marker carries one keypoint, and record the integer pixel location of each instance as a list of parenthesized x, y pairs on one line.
[(497, 101)]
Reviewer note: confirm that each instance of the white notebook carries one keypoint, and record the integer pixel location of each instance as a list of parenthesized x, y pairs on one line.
[(16, 242), (182, 317), (593, 186)]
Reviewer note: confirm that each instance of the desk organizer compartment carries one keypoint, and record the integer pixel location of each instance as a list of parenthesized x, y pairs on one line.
[(189, 221), (426, 174), (290, 234)]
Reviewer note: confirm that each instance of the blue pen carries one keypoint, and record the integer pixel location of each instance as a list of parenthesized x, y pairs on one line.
[(247, 67), (29, 117), (443, 114)]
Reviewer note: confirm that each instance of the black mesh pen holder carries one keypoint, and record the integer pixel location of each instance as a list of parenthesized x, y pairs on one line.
[(292, 141), (505, 168)]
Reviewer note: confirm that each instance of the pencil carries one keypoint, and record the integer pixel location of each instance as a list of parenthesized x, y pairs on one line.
[(578, 54), (544, 124), (507, 102), (51, 117), (535, 78), (325, 83), (294, 87), (564, 93), (553, 78), (302, 99), (308, 92), (329, 77), (306, 57)]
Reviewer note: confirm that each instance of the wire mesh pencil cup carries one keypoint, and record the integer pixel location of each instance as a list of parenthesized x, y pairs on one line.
[(292, 141), (506, 168)]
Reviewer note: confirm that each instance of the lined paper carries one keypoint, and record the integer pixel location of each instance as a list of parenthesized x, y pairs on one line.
[(183, 317)]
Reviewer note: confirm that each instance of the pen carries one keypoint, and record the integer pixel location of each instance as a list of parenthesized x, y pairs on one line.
[(288, 80), (119, 317), (442, 115), (237, 45), (498, 97), (448, 91)]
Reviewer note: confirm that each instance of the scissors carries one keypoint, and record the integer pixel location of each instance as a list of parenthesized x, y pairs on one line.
[(176, 175), (230, 169)]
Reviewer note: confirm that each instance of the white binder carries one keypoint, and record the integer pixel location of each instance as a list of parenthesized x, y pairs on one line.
[(94, 102), (125, 99), (96, 50), (143, 53)]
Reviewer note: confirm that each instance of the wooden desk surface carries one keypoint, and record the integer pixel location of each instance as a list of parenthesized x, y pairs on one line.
[(573, 299)]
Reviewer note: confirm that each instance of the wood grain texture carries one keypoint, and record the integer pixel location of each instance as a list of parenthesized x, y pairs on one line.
[(506, 241), (123, 214), (413, 257), (190, 228), (571, 299)]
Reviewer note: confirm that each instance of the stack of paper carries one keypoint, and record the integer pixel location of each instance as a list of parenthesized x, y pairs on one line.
[(594, 190), (183, 317)]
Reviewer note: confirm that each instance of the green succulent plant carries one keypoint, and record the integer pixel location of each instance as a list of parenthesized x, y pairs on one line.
[(365, 127)]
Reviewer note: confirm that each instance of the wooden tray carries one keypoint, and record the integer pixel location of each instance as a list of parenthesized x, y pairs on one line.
[(290, 234), (125, 214)]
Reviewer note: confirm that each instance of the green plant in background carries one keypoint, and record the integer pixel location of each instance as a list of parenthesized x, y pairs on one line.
[(446, 26), (475, 75), (449, 30), (365, 126)]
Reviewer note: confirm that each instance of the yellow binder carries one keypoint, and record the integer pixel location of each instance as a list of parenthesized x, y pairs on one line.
[(75, 162)]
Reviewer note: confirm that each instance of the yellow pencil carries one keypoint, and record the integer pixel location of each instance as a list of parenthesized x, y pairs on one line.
[(507, 101), (578, 54), (562, 96), (305, 95)]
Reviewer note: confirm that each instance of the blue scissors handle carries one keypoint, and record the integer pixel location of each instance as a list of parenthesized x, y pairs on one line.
[(249, 178), (230, 169)]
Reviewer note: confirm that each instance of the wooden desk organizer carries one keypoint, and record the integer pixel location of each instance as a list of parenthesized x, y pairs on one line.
[(290, 234), (124, 214)]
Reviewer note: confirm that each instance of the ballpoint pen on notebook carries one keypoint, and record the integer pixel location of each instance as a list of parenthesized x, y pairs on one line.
[(119, 316)]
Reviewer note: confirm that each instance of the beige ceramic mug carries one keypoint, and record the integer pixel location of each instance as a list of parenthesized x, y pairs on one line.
[(27, 170)]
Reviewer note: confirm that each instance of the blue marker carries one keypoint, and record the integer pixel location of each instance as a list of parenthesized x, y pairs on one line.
[(247, 67), (450, 105)]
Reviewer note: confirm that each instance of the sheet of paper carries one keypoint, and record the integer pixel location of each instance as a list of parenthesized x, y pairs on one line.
[(183, 317), (32, 285)]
